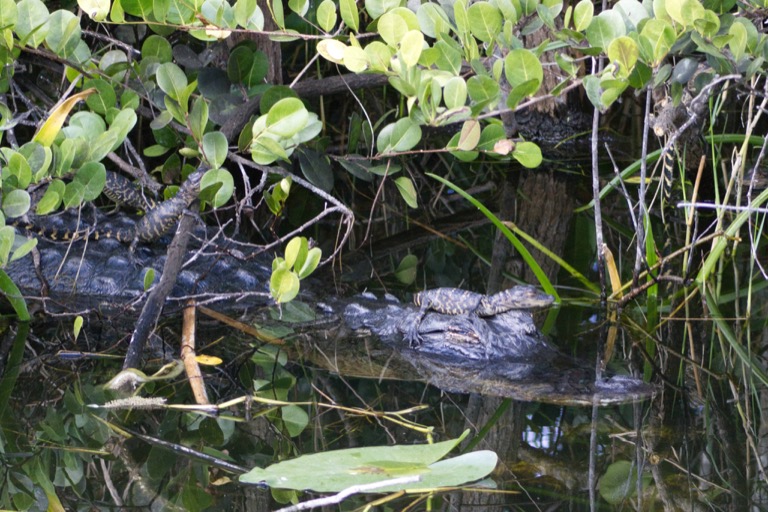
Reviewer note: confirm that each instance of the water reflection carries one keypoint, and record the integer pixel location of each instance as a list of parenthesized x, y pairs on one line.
[(545, 450)]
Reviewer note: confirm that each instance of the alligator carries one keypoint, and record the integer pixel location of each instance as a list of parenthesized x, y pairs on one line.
[(455, 339), (452, 301), (504, 354), (159, 217)]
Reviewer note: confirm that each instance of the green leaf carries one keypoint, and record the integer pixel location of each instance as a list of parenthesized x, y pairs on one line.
[(100, 146), (32, 22), (296, 249), (287, 117), (632, 11), (355, 59), (284, 285), (13, 295), (198, 119), (9, 13), (172, 80), (433, 20), (469, 135), (394, 25), (149, 278), (215, 148), (484, 21), (407, 269), (400, 136), (521, 66), (52, 198), (217, 186), (104, 99), (157, 47), (605, 27), (411, 46), (77, 326), (332, 50), (350, 14), (455, 92), (248, 15), (300, 7), (264, 151), (619, 483), (326, 15), (19, 168), (64, 33), (378, 7), (310, 263), (294, 418), (655, 41), (92, 177), (528, 154), (623, 51), (16, 203), (357, 466), (407, 191), (24, 248), (483, 90), (316, 168), (7, 237), (582, 15), (738, 41), (464, 156)]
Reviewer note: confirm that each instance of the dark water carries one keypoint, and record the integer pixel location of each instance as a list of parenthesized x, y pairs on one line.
[(690, 451)]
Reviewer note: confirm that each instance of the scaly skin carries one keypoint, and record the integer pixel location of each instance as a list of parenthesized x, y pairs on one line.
[(454, 301), (157, 221)]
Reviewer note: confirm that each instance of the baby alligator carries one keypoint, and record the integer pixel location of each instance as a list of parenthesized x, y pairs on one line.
[(454, 301), (158, 219)]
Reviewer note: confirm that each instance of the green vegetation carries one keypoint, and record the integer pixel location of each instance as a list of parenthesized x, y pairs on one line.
[(155, 87)]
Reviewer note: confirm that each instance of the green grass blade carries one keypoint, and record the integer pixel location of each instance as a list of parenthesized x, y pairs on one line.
[(554, 257), (728, 334), (535, 268), (730, 233), (12, 293)]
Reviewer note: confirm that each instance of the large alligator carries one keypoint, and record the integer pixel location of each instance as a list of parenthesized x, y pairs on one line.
[(458, 341)]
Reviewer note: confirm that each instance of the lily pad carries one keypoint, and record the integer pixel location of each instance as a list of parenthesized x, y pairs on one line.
[(336, 470)]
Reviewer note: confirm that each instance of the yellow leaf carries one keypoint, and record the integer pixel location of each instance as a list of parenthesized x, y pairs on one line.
[(208, 360), (52, 126), (96, 9), (613, 272)]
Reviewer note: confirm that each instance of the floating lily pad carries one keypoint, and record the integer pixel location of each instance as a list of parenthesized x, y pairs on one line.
[(336, 470)]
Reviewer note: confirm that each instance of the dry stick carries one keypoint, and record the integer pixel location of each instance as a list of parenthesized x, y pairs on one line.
[(686, 260), (596, 195), (248, 329), (194, 375), (640, 225), (154, 305)]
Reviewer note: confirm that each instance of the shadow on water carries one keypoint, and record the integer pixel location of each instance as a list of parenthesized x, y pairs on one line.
[(58, 450)]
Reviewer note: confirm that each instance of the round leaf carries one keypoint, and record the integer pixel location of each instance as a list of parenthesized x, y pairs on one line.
[(221, 180), (528, 154), (284, 285), (16, 203), (411, 46), (172, 80), (215, 148), (326, 15), (484, 21), (408, 191), (287, 117), (521, 66)]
